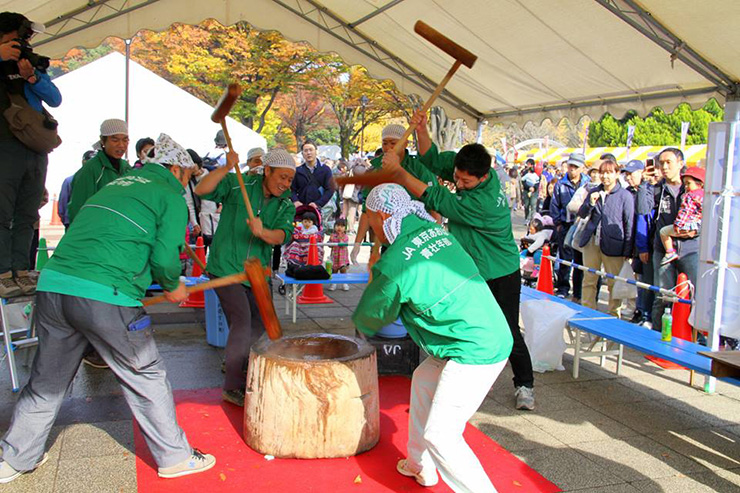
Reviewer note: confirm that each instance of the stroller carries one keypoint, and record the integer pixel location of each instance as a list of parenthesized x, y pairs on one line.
[(540, 229), (295, 254)]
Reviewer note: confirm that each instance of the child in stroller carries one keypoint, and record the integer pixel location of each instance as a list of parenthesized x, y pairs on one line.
[(540, 231), (307, 225)]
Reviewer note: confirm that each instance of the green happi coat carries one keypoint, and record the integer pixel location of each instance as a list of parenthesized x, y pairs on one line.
[(480, 218), (125, 236), (426, 277), (233, 242), (96, 173)]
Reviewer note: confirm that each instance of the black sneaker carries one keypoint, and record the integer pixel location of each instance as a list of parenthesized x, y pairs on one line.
[(637, 317)]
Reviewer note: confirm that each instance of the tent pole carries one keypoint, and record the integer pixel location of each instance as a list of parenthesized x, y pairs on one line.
[(128, 59)]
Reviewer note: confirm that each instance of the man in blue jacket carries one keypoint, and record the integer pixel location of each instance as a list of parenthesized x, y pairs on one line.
[(22, 170), (642, 263), (312, 184), (563, 220)]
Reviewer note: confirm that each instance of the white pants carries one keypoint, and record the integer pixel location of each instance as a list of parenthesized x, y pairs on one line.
[(444, 396)]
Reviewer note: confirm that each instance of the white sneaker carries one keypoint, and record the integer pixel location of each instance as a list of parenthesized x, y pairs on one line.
[(332, 287), (8, 474), (424, 477), (345, 287), (197, 462), (524, 398)]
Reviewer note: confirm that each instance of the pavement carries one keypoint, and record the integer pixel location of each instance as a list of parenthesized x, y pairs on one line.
[(644, 430)]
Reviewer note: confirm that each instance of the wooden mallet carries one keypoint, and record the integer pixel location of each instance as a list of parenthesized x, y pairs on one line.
[(461, 56), (255, 274), (223, 108)]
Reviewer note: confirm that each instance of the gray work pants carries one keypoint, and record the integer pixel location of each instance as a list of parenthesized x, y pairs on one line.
[(245, 328), (65, 325)]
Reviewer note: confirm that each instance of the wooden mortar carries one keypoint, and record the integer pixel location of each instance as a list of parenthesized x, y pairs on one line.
[(312, 396)]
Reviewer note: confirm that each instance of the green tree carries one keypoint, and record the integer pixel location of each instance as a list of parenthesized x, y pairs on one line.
[(658, 128)]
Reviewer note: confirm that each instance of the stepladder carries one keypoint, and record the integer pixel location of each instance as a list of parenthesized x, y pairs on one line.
[(19, 333)]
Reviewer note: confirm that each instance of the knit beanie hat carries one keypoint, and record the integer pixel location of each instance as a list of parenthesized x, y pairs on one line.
[(279, 158), (393, 131), (113, 126), (256, 152)]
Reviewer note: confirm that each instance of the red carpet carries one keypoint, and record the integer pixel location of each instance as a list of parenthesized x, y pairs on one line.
[(216, 427)]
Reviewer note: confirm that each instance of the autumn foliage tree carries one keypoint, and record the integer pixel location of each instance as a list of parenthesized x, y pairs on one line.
[(302, 111), (204, 58), (343, 87)]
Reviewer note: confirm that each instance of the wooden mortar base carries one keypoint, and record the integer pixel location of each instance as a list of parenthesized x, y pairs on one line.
[(312, 396)]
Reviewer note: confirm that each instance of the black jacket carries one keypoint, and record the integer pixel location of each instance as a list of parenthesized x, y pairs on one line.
[(313, 187)]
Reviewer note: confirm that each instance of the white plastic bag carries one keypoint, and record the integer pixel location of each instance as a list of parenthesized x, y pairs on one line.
[(544, 323), (622, 290)]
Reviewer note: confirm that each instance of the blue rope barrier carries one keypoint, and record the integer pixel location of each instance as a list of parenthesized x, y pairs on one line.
[(665, 293)]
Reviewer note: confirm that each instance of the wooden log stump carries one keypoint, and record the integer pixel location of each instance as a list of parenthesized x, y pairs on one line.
[(312, 396)]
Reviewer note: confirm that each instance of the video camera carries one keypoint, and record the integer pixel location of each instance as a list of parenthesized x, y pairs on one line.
[(25, 33)]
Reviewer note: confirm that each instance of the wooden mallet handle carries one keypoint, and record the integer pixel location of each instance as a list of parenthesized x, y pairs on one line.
[(461, 56), (215, 283), (219, 115), (195, 258), (263, 297)]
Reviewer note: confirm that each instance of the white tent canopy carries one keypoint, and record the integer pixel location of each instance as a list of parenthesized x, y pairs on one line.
[(155, 106), (537, 58)]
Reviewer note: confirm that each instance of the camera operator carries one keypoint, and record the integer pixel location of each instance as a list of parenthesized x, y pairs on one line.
[(22, 170)]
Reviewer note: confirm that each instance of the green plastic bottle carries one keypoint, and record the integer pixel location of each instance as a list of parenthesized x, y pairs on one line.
[(666, 333), (329, 266)]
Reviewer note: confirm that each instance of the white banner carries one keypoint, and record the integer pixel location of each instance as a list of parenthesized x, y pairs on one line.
[(503, 143), (684, 133), (585, 140), (630, 135)]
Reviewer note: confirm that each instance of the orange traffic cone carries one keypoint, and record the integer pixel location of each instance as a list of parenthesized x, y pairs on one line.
[(313, 293), (681, 311), (55, 219), (680, 324), (197, 300), (544, 279)]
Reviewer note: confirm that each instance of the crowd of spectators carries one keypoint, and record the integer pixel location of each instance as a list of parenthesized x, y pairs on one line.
[(640, 219)]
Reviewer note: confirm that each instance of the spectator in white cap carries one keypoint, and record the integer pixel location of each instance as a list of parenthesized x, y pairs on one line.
[(253, 166), (238, 238), (96, 173), (102, 169), (390, 135)]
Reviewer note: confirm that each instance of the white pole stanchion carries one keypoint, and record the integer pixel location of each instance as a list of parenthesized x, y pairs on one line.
[(718, 276)]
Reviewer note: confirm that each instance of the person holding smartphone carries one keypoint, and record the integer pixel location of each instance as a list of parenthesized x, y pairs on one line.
[(663, 199)]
